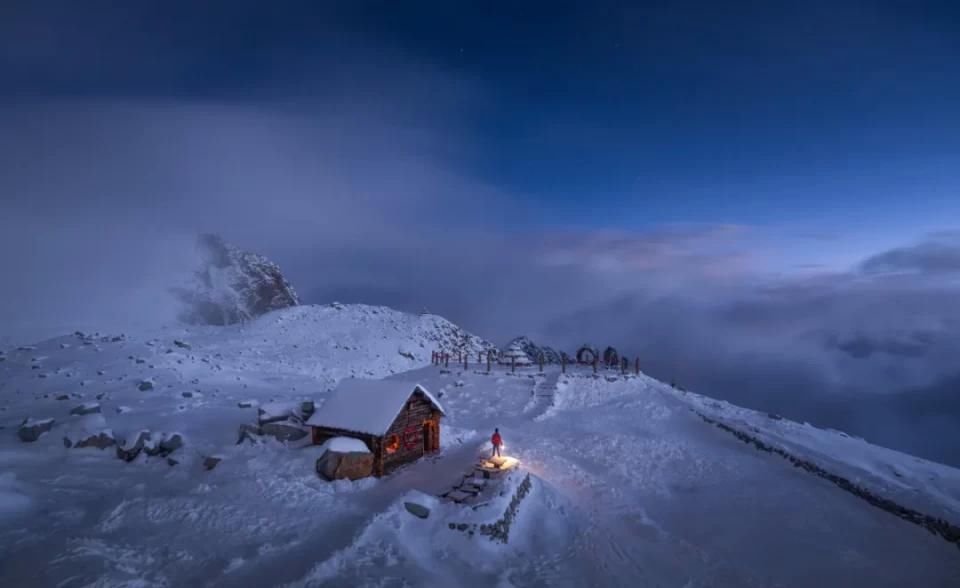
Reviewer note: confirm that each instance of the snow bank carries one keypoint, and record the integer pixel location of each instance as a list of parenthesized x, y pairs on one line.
[(12, 500), (344, 445)]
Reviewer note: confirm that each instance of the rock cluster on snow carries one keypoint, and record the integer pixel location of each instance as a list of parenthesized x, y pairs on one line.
[(233, 285), (161, 445)]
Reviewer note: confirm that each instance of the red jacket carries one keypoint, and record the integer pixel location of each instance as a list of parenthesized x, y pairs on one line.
[(496, 440)]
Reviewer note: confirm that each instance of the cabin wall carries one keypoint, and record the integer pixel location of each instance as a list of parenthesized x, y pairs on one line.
[(408, 429)]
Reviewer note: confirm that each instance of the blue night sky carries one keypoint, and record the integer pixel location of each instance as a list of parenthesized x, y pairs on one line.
[(817, 116), (758, 198)]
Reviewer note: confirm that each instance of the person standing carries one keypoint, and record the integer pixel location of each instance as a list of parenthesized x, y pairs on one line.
[(497, 441)]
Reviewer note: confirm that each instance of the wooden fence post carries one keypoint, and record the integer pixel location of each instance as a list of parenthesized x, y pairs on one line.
[(513, 364), (541, 363), (636, 365), (595, 360), (446, 359), (623, 366), (489, 353), (466, 361), (563, 364)]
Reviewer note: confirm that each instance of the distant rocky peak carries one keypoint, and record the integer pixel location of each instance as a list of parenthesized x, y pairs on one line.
[(230, 285)]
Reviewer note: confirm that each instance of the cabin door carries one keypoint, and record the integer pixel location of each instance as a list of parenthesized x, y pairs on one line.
[(430, 437)]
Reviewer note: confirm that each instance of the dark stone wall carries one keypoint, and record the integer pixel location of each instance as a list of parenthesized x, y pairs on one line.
[(939, 527)]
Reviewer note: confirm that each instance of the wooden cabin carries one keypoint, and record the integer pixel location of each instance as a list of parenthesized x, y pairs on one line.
[(399, 421)]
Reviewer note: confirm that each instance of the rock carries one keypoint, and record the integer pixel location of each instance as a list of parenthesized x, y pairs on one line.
[(248, 433), (172, 462), (145, 385), (211, 462), (181, 344), (31, 429), (171, 443), (88, 408), (307, 408), (187, 394), (334, 465), (283, 431), (417, 510), (231, 286), (100, 440), (129, 452), (247, 403), (63, 397)]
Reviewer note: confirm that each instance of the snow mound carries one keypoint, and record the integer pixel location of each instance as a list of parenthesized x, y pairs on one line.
[(343, 445)]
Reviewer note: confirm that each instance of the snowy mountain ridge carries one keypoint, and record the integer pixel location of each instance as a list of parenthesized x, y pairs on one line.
[(630, 486)]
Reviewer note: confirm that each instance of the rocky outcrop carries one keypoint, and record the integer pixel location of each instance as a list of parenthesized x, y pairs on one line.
[(533, 351), (231, 285), (335, 465)]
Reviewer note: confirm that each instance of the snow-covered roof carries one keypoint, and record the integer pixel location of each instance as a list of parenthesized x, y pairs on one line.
[(366, 406)]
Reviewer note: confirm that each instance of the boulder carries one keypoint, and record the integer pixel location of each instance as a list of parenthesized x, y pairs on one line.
[(172, 442), (145, 385), (31, 430), (307, 408), (284, 431), (88, 408), (248, 433), (187, 394), (417, 510), (63, 397), (334, 465), (181, 344), (130, 451), (210, 462)]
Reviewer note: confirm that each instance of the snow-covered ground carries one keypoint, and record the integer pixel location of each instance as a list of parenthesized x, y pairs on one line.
[(630, 485)]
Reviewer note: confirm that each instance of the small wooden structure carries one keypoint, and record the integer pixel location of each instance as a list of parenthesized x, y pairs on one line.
[(399, 421)]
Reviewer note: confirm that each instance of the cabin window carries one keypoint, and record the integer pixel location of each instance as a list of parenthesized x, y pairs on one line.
[(393, 443)]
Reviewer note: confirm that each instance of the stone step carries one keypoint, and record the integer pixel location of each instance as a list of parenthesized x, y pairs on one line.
[(459, 496)]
